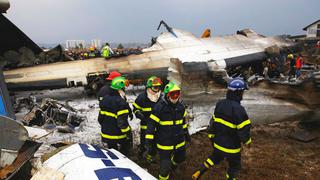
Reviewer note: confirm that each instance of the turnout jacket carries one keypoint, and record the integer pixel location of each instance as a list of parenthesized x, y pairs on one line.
[(106, 90), (230, 125), (113, 116), (166, 125), (142, 108)]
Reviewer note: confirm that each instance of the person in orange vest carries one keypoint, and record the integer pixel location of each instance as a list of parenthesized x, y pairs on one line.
[(206, 34), (299, 64), (318, 44)]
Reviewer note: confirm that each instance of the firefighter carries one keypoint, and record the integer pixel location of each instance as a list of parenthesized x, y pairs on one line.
[(229, 127), (115, 129), (167, 128), (106, 88), (143, 106)]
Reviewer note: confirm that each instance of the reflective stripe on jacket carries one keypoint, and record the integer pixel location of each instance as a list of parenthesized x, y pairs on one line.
[(230, 126), (167, 125), (144, 105), (113, 116)]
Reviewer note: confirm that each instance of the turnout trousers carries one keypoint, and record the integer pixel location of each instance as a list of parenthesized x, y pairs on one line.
[(122, 145), (142, 147), (234, 161), (169, 160)]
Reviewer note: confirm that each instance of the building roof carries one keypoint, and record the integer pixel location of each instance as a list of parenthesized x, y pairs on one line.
[(311, 25)]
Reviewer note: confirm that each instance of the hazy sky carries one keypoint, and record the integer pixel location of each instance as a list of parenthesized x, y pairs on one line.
[(52, 21)]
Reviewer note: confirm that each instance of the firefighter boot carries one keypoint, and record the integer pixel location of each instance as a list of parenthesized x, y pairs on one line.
[(199, 173)]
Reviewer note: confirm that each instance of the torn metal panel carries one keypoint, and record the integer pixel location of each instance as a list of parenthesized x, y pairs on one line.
[(12, 38), (11, 128), (25, 154), (83, 161), (7, 157)]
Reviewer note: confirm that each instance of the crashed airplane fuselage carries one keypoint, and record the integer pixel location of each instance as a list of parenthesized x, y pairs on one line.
[(216, 54), (195, 63)]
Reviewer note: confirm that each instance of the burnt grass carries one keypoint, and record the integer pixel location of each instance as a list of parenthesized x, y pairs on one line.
[(273, 155)]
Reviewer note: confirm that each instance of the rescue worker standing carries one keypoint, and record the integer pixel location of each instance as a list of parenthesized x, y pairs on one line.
[(115, 129), (229, 127), (106, 51), (92, 53), (292, 62), (106, 88), (299, 64), (167, 128), (143, 106)]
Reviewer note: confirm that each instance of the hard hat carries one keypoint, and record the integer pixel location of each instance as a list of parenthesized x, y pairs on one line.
[(91, 48), (113, 75), (290, 56), (119, 83), (172, 90), (153, 81), (237, 84)]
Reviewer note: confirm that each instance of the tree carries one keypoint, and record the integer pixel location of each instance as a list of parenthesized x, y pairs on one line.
[(120, 46)]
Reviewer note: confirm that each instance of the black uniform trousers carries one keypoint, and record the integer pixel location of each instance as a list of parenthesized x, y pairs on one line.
[(234, 161), (169, 159), (142, 147), (122, 145)]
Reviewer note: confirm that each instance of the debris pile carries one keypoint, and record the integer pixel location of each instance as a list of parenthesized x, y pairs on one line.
[(24, 57), (53, 114)]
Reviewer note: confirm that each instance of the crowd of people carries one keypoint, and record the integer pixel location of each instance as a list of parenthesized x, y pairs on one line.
[(285, 65), (106, 51), (91, 52), (164, 128)]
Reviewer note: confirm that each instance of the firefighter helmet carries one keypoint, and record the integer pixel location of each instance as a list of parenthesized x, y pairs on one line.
[(153, 81), (119, 83), (113, 75), (172, 90), (237, 84)]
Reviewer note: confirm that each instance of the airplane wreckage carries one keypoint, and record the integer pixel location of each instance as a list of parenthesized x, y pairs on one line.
[(18, 143), (201, 66)]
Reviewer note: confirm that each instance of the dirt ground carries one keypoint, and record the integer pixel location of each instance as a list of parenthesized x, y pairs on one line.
[(273, 155)]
